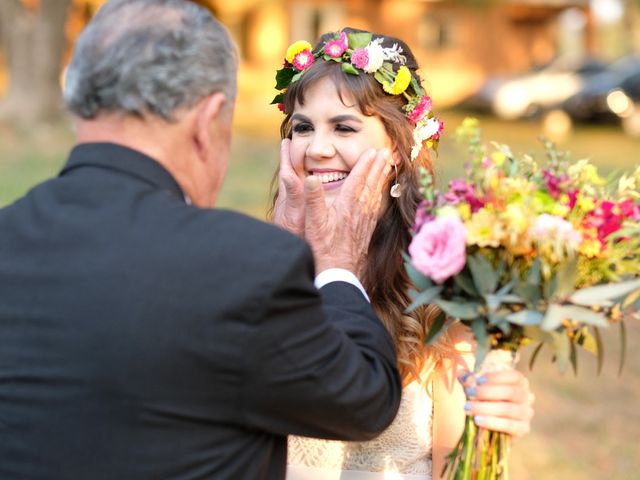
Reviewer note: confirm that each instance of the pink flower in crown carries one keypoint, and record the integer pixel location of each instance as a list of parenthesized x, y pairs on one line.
[(335, 48), (420, 110), (438, 250), (303, 60), (360, 58)]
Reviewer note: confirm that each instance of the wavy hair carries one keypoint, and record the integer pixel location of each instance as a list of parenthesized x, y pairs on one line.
[(385, 278)]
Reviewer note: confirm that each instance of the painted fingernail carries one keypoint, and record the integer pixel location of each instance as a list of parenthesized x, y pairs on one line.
[(468, 407), (385, 153), (479, 420), (481, 380), (463, 377), (470, 391)]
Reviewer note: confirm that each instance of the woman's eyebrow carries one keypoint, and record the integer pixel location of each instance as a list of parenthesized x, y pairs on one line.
[(345, 118), (300, 117)]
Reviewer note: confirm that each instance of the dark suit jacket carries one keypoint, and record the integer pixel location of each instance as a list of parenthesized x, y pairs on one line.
[(144, 338)]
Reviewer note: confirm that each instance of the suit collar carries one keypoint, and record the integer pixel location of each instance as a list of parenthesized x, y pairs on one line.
[(119, 158)]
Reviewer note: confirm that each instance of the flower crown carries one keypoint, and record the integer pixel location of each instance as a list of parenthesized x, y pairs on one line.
[(360, 52)]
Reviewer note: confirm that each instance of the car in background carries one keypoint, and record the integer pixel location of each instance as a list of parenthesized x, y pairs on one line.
[(607, 96), (529, 94)]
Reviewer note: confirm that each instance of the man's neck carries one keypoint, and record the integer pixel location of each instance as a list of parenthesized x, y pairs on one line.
[(155, 138)]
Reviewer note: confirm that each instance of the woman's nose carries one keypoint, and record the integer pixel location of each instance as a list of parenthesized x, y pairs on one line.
[(321, 146)]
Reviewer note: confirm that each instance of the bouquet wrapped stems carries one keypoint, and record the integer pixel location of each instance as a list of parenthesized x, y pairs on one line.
[(482, 454)]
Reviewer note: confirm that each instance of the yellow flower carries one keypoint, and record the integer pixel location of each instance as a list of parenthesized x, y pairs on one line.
[(516, 218), (295, 48), (400, 84), (559, 210), (484, 229), (585, 203), (465, 211), (498, 158), (584, 172), (590, 248)]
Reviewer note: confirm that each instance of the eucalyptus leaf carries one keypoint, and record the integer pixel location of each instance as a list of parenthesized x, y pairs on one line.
[(484, 277), (533, 277), (463, 280), (438, 327), (623, 347), (359, 40), (600, 357), (631, 298), (419, 280), (463, 311), (424, 298), (561, 349), (526, 317), (566, 279), (348, 68), (535, 354), (573, 357), (603, 294), (556, 314), (483, 341), (529, 292)]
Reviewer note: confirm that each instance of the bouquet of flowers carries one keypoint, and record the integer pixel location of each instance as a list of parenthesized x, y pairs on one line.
[(524, 251)]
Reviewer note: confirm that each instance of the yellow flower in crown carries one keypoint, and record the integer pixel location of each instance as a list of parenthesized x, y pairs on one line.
[(295, 48), (401, 82)]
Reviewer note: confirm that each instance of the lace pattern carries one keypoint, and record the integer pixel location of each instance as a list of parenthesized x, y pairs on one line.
[(404, 447)]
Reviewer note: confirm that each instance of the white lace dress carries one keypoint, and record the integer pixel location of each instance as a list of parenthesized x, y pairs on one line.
[(401, 452)]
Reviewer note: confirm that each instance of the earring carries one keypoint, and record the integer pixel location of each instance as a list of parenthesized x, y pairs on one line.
[(396, 189)]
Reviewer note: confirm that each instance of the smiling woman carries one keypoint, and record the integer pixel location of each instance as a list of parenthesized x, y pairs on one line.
[(353, 92), (329, 133)]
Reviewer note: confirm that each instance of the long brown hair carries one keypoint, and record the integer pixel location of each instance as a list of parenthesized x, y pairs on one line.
[(385, 278)]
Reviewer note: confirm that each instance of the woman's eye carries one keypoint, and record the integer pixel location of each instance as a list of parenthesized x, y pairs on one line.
[(344, 128), (302, 128)]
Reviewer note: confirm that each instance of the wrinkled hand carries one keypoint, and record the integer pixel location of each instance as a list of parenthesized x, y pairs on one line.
[(288, 211), (339, 235), (500, 401)]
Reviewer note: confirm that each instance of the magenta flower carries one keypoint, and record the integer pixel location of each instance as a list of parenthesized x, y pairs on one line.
[(303, 60), (423, 107), (554, 182), (438, 250), (423, 215), (335, 48), (360, 58), (463, 191)]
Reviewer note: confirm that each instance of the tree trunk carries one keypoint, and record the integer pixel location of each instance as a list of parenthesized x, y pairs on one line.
[(34, 43)]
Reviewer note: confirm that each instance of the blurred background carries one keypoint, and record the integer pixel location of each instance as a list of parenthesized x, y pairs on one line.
[(565, 69)]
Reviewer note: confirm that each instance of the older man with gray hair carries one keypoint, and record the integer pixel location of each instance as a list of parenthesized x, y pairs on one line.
[(146, 335)]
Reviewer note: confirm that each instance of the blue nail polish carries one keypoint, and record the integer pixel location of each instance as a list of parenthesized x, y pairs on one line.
[(481, 380), (479, 420), (467, 407), (463, 377), (470, 391)]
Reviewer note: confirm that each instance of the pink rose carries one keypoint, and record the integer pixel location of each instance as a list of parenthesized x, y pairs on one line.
[(438, 250), (360, 58)]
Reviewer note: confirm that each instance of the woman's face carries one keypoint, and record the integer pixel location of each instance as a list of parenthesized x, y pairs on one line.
[(328, 136)]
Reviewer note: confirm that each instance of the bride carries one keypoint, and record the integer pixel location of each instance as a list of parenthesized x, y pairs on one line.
[(340, 99)]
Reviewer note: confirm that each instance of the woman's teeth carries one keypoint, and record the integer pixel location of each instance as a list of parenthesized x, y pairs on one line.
[(331, 177)]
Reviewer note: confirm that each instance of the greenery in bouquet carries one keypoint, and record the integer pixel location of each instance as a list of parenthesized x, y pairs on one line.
[(525, 251)]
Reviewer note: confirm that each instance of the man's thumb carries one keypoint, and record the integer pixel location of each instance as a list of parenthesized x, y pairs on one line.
[(314, 200)]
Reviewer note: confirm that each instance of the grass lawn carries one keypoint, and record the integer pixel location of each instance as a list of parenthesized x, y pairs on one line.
[(586, 426)]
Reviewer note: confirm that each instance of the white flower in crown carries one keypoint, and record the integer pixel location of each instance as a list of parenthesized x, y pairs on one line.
[(394, 54), (376, 56), (425, 129)]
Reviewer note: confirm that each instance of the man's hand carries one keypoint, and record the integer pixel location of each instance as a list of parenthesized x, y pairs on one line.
[(339, 235), (288, 211)]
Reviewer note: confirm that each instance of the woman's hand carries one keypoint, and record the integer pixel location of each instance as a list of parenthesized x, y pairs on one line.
[(288, 211), (500, 401)]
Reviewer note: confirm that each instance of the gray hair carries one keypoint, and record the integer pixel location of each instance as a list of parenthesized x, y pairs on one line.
[(149, 57)]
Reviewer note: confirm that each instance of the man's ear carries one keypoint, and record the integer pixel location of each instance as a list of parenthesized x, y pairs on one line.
[(209, 111)]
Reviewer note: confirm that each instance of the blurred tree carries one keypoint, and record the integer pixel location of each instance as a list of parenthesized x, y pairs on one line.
[(33, 41)]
